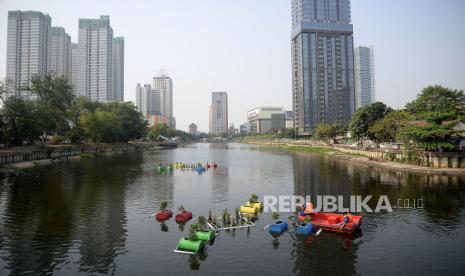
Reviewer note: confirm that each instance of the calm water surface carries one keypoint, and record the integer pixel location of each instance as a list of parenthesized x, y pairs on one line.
[(91, 216)]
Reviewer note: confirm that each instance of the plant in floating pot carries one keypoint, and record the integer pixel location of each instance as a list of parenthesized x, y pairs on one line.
[(306, 227), (203, 233), (253, 201), (191, 243), (164, 213), (279, 226), (183, 215)]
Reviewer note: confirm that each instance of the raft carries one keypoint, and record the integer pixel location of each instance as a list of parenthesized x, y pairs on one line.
[(163, 215), (279, 227), (304, 229), (247, 209), (205, 235), (184, 216), (190, 246), (334, 222)]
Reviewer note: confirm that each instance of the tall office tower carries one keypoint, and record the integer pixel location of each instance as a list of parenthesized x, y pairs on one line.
[(364, 76), (164, 84), (219, 113), (322, 63), (118, 69), (74, 62), (59, 52), (95, 80), (27, 49)]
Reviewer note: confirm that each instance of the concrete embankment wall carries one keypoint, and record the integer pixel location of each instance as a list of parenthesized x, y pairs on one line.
[(58, 152), (428, 159)]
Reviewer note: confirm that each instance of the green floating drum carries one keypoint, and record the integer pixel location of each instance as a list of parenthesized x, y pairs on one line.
[(190, 245), (205, 235)]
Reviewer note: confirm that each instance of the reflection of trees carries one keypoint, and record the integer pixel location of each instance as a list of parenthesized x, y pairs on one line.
[(71, 204), (37, 214)]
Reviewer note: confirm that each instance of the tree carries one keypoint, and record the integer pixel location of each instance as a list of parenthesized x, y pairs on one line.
[(328, 131), (101, 126), (132, 122), (19, 121), (364, 117), (431, 137), (437, 103), (55, 98), (387, 128)]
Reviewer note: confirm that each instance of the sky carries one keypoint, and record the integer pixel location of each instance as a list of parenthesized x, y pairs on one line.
[(243, 47)]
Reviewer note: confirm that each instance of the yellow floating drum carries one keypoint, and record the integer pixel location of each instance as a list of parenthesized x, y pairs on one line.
[(248, 209), (256, 205)]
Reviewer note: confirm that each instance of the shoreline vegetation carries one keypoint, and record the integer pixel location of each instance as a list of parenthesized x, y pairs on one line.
[(322, 148), (24, 157)]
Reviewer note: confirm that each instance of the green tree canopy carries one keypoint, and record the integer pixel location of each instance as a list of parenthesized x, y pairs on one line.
[(386, 129), (366, 116), (437, 103), (328, 131)]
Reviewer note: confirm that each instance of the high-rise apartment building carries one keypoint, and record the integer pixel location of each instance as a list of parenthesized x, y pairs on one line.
[(164, 84), (364, 76), (59, 52), (95, 79), (27, 49), (75, 56), (118, 69), (322, 63), (147, 100), (219, 113)]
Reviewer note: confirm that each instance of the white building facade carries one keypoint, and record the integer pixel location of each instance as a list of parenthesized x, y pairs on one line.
[(95, 76), (164, 84), (27, 49), (59, 53), (219, 113)]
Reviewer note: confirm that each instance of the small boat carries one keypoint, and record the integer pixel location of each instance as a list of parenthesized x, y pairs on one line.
[(183, 216), (163, 215), (334, 222)]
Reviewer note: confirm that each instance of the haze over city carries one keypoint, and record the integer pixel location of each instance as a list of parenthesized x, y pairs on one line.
[(243, 47)]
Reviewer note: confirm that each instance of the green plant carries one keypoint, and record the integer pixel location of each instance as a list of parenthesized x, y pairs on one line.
[(181, 209), (192, 230), (275, 215), (253, 198), (163, 205), (202, 223)]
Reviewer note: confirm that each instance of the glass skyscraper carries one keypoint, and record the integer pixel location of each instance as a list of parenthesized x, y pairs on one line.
[(322, 63), (364, 76)]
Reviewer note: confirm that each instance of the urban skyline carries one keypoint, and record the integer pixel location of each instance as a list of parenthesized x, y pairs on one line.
[(396, 49), (93, 65)]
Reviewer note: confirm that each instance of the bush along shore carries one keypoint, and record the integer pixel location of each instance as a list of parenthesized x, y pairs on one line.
[(441, 163)]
